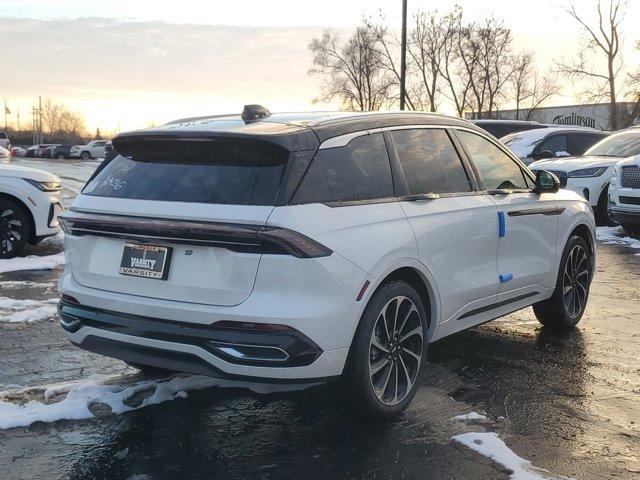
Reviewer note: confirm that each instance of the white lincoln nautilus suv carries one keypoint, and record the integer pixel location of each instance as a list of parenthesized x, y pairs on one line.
[(303, 247)]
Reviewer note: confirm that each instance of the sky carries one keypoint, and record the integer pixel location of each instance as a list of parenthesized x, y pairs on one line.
[(129, 64)]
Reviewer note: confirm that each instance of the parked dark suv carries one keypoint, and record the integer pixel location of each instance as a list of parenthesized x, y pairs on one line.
[(61, 152), (500, 128)]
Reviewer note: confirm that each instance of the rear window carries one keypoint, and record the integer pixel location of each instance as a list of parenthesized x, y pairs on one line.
[(3, 135), (235, 172)]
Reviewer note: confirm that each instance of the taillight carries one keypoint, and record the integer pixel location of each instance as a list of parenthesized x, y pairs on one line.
[(294, 243), (235, 237)]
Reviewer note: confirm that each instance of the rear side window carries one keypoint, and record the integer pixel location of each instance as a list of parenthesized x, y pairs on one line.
[(497, 170), (358, 171), (226, 172), (430, 162), (580, 143), (554, 144)]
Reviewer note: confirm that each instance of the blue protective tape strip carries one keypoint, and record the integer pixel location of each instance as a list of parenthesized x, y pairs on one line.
[(502, 225), (505, 277)]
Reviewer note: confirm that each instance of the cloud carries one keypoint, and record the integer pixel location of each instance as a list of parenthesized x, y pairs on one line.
[(86, 56)]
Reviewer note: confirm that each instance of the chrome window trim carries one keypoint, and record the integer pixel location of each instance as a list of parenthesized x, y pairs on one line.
[(343, 140)]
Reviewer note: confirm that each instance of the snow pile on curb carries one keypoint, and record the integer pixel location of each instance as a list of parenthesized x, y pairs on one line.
[(616, 236), (119, 397), (16, 311), (489, 445), (80, 395), (32, 262)]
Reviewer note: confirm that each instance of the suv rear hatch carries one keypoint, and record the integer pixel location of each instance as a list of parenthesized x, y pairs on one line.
[(202, 203)]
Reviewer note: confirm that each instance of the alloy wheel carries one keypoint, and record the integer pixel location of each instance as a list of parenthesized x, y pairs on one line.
[(10, 231), (395, 350), (575, 281)]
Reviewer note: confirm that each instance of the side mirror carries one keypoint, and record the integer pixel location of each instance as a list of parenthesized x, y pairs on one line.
[(546, 154), (546, 182), (562, 154)]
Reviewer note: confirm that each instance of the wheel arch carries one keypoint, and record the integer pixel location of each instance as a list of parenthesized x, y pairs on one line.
[(418, 276), (27, 211)]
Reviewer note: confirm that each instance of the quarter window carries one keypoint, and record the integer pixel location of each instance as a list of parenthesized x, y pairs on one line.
[(358, 171), (496, 168), (430, 162)]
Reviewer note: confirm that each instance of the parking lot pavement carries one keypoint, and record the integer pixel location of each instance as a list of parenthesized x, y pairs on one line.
[(506, 396)]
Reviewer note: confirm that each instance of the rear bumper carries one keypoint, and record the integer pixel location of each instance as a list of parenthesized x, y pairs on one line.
[(153, 332), (239, 343)]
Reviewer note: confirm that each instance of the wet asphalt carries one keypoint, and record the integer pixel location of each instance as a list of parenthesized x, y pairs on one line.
[(569, 403)]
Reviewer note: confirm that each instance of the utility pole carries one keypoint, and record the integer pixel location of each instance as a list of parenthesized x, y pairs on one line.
[(6, 112), (403, 56), (40, 119)]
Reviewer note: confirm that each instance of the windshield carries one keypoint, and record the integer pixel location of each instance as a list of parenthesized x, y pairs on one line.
[(229, 172), (623, 144)]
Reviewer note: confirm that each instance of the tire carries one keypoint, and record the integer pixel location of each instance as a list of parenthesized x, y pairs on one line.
[(150, 370), (14, 228), (563, 310), (371, 344), (61, 156), (602, 210), (85, 156), (631, 228)]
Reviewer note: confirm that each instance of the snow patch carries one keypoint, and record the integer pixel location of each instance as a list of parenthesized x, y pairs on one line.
[(32, 262), (616, 236), (79, 396), (489, 445), (472, 416), (17, 311)]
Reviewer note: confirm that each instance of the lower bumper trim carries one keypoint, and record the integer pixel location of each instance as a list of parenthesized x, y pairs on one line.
[(625, 217), (175, 361)]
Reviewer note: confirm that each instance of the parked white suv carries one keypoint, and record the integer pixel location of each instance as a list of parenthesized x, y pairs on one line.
[(4, 141), (30, 202), (590, 174), (624, 194), (305, 247), (93, 149)]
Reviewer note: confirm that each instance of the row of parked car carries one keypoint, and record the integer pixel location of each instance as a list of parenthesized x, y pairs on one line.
[(602, 167), (93, 149)]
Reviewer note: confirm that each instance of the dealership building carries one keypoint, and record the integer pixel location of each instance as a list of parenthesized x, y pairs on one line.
[(595, 115)]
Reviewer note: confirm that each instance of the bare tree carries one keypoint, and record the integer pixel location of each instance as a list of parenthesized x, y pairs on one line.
[(530, 90), (455, 70), (58, 120), (354, 72), (426, 48), (490, 43), (605, 39)]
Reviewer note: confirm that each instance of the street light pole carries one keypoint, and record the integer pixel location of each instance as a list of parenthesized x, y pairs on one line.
[(403, 56)]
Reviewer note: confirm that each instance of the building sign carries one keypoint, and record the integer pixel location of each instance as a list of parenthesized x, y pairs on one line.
[(574, 119)]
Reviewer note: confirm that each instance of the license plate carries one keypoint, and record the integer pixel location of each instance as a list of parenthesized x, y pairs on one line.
[(149, 261)]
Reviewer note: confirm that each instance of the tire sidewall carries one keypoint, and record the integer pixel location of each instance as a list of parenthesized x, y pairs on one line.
[(358, 363), (571, 243), (22, 215)]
